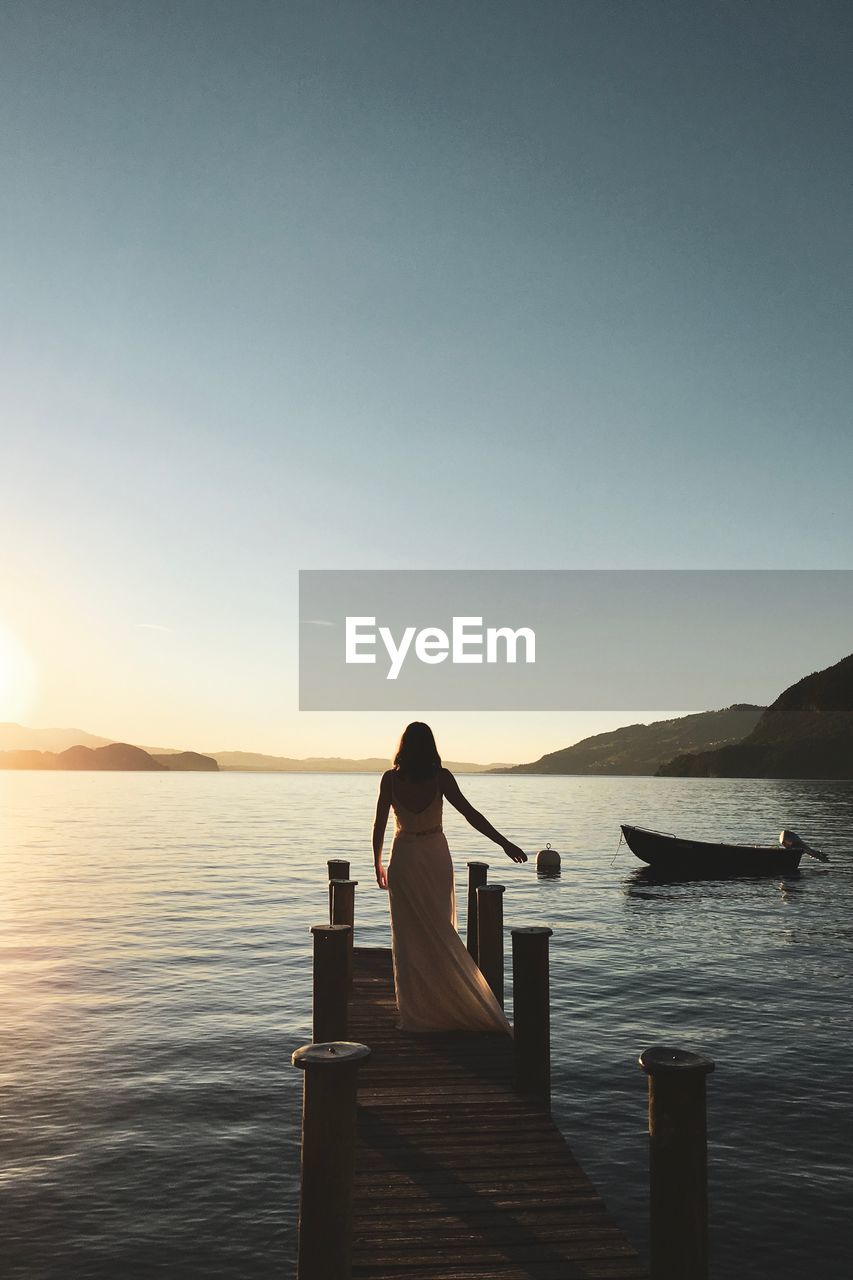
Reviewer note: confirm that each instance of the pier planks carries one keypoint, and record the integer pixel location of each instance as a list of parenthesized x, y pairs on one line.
[(457, 1178)]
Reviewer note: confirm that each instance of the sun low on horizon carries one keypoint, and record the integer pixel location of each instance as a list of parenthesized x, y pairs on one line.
[(17, 677)]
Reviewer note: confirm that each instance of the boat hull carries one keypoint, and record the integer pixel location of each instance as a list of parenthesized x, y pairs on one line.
[(672, 856)]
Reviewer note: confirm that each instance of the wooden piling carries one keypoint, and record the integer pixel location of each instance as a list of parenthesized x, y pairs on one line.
[(531, 1013), (477, 874), (332, 945), (338, 868), (342, 911), (342, 901), (328, 1158), (490, 937), (678, 1163)]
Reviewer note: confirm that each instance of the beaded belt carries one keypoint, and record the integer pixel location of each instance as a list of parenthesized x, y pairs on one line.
[(430, 831)]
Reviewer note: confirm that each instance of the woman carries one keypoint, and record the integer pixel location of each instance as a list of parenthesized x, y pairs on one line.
[(439, 987)]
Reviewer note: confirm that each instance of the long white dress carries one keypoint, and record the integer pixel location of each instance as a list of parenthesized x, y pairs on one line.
[(438, 985)]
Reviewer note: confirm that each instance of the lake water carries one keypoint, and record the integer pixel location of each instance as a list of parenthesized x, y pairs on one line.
[(155, 974)]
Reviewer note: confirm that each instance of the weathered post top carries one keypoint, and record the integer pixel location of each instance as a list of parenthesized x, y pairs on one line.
[(662, 1060), (330, 1054), (491, 888), (329, 928), (527, 929)]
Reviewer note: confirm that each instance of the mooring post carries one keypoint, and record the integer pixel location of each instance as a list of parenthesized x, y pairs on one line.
[(328, 1158), (678, 1163), (531, 1009), (342, 911), (338, 869), (490, 937), (342, 901), (331, 980), (477, 874)]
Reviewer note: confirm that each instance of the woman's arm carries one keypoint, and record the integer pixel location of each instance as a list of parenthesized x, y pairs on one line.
[(450, 787), (383, 807)]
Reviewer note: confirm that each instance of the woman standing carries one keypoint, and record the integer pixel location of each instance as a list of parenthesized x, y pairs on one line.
[(438, 985)]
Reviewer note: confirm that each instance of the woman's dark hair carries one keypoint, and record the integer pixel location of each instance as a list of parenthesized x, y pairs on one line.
[(417, 755)]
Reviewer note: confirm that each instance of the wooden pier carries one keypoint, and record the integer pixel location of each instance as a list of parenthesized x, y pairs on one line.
[(434, 1157), (457, 1177)]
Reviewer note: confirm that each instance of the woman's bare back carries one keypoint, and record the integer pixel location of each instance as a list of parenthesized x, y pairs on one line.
[(414, 796)]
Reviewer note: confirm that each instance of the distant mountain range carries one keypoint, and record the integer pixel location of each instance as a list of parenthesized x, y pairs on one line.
[(253, 761), (113, 756), (186, 761), (639, 749), (25, 748), (806, 733)]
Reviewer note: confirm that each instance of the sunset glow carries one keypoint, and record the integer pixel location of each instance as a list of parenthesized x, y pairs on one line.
[(17, 677)]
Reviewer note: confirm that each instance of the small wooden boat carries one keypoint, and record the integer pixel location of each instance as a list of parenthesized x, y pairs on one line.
[(671, 856)]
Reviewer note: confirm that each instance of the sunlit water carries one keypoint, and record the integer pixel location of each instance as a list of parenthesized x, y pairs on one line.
[(155, 976)]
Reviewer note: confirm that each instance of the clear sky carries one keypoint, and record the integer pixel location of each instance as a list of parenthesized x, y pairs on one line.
[(424, 285)]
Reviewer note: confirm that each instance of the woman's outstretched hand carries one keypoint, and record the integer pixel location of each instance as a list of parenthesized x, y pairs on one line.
[(513, 851), (381, 875)]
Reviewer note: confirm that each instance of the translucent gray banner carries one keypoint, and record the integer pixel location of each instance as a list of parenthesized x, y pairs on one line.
[(565, 640)]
